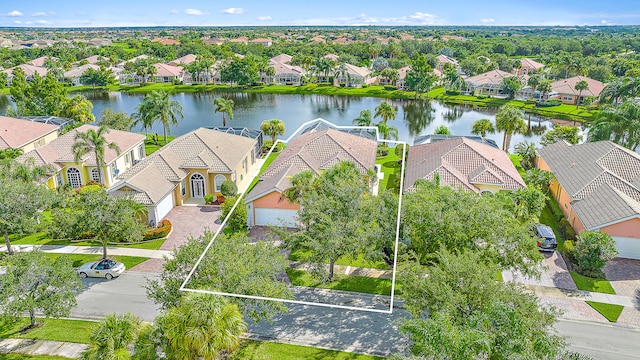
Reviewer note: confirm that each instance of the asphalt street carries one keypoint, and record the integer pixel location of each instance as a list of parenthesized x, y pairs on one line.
[(346, 330)]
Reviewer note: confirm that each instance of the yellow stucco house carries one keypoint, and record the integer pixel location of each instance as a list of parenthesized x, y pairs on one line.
[(188, 168), (66, 170), (462, 163), (25, 135)]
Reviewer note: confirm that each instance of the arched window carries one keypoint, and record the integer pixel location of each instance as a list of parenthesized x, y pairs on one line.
[(218, 180), (197, 185), (95, 176), (74, 178)]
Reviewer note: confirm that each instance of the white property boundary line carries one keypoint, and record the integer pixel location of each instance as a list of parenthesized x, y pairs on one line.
[(395, 253)]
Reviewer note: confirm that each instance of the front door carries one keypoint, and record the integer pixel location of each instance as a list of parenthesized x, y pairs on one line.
[(197, 186)]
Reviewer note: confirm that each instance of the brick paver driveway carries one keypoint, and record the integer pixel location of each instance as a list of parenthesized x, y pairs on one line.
[(190, 221), (555, 274), (624, 275)]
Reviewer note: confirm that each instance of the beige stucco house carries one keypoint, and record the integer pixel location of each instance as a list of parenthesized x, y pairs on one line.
[(188, 168), (24, 134), (565, 89)]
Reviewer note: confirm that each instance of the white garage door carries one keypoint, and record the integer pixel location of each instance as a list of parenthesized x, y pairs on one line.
[(266, 216), (627, 247), (164, 206)]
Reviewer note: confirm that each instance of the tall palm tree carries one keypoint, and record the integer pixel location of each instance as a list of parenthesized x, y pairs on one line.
[(385, 112), (203, 326), (534, 82), (387, 131), (112, 337), (581, 86), (364, 119), (342, 72), (273, 128), (224, 106), (144, 115), (93, 141), (509, 120), (483, 127), (165, 110), (300, 183), (545, 87), (620, 124)]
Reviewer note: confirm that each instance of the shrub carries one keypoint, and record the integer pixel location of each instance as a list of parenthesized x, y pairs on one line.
[(452, 92), (365, 85), (228, 188), (390, 87), (398, 150), (208, 198), (549, 103), (592, 251), (383, 152), (566, 230), (482, 96), (569, 247), (91, 186), (238, 219), (267, 144), (163, 230)]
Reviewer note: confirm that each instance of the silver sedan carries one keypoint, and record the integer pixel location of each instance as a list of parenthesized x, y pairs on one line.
[(102, 268)]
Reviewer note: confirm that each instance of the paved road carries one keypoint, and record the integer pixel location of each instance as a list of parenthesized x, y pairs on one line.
[(346, 330)]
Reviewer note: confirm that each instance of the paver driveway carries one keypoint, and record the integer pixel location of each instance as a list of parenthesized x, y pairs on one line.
[(190, 221), (554, 274)]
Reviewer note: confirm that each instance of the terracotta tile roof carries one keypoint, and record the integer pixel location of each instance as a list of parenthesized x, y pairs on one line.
[(315, 150), (461, 163), (148, 186), (587, 171), (531, 64), (490, 77), (333, 57), (282, 58), (167, 70), (94, 59), (29, 70), (442, 59), (78, 71), (165, 41), (568, 86), (186, 60), (15, 133), (39, 62), (358, 70)]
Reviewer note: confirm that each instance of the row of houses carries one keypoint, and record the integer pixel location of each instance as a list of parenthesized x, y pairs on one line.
[(596, 184)]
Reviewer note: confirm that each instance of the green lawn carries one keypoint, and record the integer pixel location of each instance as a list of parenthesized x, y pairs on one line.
[(515, 159), (609, 311), (547, 218), (262, 350), (41, 238), (150, 147), (266, 164), (391, 169), (591, 284), (348, 260), (51, 329), (79, 259), (361, 284)]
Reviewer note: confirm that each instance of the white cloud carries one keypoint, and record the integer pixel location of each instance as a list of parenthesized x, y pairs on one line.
[(234, 11), (487, 21), (174, 11), (264, 18), (420, 16), (604, 22), (43, 22), (17, 22), (43, 13), (196, 12), (15, 13)]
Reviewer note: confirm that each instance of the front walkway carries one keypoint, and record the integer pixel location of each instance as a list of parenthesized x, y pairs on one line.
[(111, 251), (42, 347), (190, 221)]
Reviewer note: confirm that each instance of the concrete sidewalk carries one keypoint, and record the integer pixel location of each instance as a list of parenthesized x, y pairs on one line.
[(582, 295), (42, 347), (343, 269), (69, 249)]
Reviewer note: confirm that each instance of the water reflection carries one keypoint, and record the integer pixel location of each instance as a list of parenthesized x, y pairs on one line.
[(418, 115), (453, 113)]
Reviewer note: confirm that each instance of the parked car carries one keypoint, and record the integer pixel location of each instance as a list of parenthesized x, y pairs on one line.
[(102, 268), (545, 237)]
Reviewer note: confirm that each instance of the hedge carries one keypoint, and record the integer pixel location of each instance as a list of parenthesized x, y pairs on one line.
[(161, 231)]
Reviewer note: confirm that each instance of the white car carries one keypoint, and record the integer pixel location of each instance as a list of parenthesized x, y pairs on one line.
[(102, 268)]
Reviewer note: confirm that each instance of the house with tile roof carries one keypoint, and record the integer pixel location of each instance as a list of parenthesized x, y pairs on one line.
[(66, 170), (285, 74), (261, 41), (565, 89), (41, 60), (24, 134), (188, 168), (357, 76), (240, 40), (185, 60), (314, 150), (282, 59), (528, 67), (464, 164), (488, 83), (29, 71), (597, 186), (444, 59), (167, 73), (165, 41), (73, 75)]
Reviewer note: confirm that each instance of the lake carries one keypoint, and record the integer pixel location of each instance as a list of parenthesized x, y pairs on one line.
[(414, 117)]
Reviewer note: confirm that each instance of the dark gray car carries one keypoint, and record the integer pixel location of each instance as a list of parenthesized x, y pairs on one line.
[(545, 237)]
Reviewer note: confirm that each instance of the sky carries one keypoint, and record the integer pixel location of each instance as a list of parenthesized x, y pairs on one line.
[(113, 13)]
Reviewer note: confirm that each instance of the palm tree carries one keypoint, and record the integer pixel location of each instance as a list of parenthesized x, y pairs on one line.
[(534, 82), (442, 130), (385, 111), (143, 115), (224, 106), (112, 337), (273, 128), (387, 131), (619, 124), (509, 120), (483, 127), (300, 183), (364, 119), (165, 110), (545, 87), (342, 72), (25, 170), (93, 141), (581, 86), (203, 326)]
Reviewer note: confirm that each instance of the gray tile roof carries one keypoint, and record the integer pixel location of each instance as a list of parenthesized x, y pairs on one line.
[(315, 150), (602, 179)]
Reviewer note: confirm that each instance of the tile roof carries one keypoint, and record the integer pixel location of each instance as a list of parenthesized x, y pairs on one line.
[(186, 60), (167, 70), (531, 64), (490, 77), (315, 150), (568, 86), (29, 70), (595, 172), (461, 162), (282, 58), (15, 133), (78, 71), (216, 151), (357, 70)]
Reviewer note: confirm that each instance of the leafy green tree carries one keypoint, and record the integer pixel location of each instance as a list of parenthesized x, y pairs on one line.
[(273, 128), (115, 120), (94, 142), (620, 124), (256, 269), (442, 130), (527, 203), (483, 127), (240, 71), (364, 119), (38, 97), (541, 179), (509, 120), (112, 337), (10, 153), (144, 115), (581, 86), (592, 251), (527, 152), (20, 206), (569, 134), (510, 86), (385, 111), (432, 220), (338, 217), (421, 77), (459, 311), (228, 188), (34, 282), (25, 169), (238, 219), (101, 77), (224, 106), (77, 108)]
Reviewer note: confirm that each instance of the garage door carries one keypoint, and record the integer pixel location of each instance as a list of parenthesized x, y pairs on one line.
[(266, 216), (164, 206), (627, 247)]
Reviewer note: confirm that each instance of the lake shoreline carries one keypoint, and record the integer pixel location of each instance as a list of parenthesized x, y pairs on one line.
[(565, 112)]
